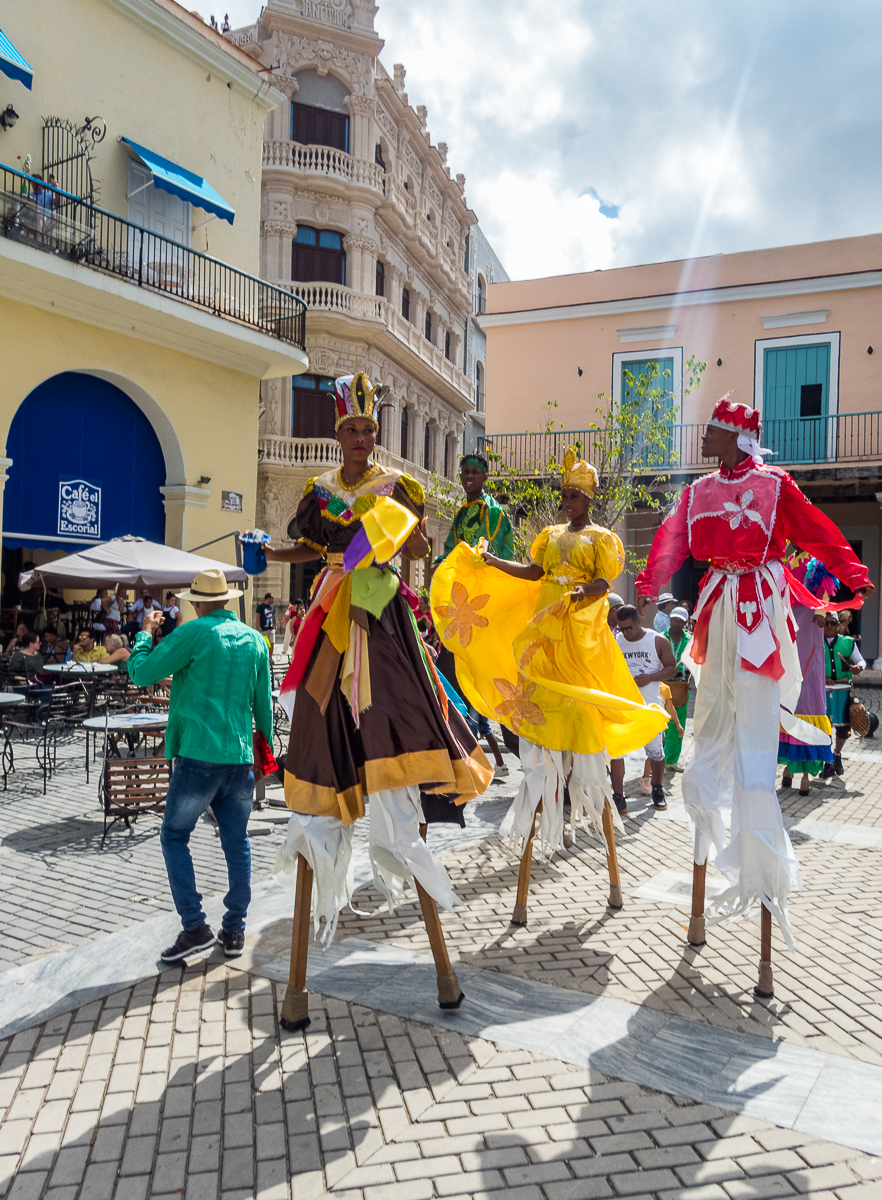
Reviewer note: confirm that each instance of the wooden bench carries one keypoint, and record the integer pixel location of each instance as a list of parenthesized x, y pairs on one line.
[(131, 785)]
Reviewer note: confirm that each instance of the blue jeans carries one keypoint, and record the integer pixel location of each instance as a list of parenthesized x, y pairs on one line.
[(228, 788)]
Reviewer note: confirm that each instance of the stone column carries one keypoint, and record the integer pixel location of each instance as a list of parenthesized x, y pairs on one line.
[(361, 143), (276, 242), (177, 498)]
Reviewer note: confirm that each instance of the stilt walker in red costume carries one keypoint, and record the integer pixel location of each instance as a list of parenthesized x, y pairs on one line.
[(744, 658)]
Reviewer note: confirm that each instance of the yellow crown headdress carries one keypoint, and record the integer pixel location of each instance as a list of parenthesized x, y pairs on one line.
[(578, 474), (356, 397)]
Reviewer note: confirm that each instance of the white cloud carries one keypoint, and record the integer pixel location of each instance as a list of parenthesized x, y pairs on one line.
[(713, 127)]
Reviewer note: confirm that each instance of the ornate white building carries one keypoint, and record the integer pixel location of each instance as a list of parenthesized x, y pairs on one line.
[(362, 219)]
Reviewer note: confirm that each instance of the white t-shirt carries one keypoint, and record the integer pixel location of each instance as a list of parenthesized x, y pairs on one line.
[(97, 608), (171, 610), (138, 612), (643, 659)]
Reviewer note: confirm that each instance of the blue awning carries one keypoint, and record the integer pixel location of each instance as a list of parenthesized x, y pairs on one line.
[(182, 183), (12, 63)]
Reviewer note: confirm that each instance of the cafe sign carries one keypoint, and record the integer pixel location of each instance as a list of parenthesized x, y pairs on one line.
[(79, 508)]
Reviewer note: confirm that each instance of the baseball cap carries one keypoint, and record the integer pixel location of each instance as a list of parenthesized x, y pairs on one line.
[(681, 613)]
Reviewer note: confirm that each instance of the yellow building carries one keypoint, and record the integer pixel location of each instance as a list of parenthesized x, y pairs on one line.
[(135, 331)]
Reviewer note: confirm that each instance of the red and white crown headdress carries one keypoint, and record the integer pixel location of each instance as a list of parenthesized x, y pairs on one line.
[(736, 418), (743, 420)]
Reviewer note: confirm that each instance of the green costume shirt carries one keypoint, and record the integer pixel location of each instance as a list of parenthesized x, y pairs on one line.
[(220, 676), (678, 648), (481, 518)]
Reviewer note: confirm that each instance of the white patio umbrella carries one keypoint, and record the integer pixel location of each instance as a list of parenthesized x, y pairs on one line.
[(131, 561)]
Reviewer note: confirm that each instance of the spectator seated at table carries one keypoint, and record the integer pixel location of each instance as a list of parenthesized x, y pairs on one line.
[(26, 660), (20, 630), (86, 651), (117, 650), (54, 647)]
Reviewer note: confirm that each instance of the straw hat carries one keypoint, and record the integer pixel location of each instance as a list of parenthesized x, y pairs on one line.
[(209, 587)]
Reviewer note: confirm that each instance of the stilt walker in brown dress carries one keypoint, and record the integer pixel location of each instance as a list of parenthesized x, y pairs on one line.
[(370, 723)]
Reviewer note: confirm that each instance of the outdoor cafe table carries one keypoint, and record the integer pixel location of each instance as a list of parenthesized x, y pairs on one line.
[(128, 725), (12, 698), (82, 672)]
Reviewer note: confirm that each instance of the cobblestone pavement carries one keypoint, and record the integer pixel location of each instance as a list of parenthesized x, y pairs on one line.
[(828, 995), (182, 1085)]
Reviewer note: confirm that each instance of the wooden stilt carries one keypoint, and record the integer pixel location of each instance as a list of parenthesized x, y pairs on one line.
[(519, 916), (295, 1008), (450, 994), (696, 936), (612, 859), (765, 988)]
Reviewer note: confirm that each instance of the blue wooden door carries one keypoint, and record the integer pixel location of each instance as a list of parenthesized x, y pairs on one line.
[(652, 375), (796, 390)]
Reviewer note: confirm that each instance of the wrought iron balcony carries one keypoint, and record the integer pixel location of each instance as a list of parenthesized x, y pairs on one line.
[(58, 223), (830, 441)]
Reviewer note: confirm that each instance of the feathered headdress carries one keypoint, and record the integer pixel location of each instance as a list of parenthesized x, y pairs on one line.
[(356, 397), (579, 474)]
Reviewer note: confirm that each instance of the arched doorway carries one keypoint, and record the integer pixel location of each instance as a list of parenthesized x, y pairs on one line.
[(86, 466)]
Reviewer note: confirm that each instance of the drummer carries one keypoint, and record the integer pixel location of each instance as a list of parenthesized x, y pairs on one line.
[(843, 662)]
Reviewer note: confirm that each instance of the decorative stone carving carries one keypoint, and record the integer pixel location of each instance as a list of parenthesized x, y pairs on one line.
[(280, 228), (322, 362), (400, 75), (385, 121), (271, 507), (423, 115), (286, 84), (360, 106), (297, 53), (354, 242)]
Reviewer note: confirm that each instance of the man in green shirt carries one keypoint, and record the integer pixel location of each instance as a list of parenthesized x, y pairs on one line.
[(679, 638), (482, 516), (221, 678)]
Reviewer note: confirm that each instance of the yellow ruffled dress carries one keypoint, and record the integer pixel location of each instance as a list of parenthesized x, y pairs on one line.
[(546, 666)]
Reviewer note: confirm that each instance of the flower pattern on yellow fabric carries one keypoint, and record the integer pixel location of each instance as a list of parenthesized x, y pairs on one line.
[(517, 705), (463, 617), (541, 643)]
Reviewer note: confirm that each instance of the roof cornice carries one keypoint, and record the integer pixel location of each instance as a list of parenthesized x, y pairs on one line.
[(675, 300)]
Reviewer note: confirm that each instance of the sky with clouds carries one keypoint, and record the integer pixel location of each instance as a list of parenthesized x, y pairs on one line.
[(599, 133)]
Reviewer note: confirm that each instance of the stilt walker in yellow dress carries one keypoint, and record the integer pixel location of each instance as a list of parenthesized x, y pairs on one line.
[(534, 651)]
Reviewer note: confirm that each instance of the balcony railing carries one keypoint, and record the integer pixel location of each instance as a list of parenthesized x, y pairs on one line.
[(324, 160), (337, 298), (320, 454), (832, 440), (58, 223)]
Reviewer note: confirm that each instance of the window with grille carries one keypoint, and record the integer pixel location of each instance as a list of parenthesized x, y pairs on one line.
[(405, 304), (317, 255), (381, 278), (428, 327)]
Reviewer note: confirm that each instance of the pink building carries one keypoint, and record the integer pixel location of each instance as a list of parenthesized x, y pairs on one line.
[(796, 331)]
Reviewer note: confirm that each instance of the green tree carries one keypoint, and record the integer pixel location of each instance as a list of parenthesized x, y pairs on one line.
[(632, 445)]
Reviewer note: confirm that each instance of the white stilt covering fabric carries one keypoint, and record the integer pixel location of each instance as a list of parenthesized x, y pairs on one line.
[(397, 853), (326, 844), (546, 773), (590, 788), (543, 780), (736, 752)]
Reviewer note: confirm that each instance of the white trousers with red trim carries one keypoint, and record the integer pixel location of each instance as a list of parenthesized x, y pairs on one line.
[(736, 724)]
